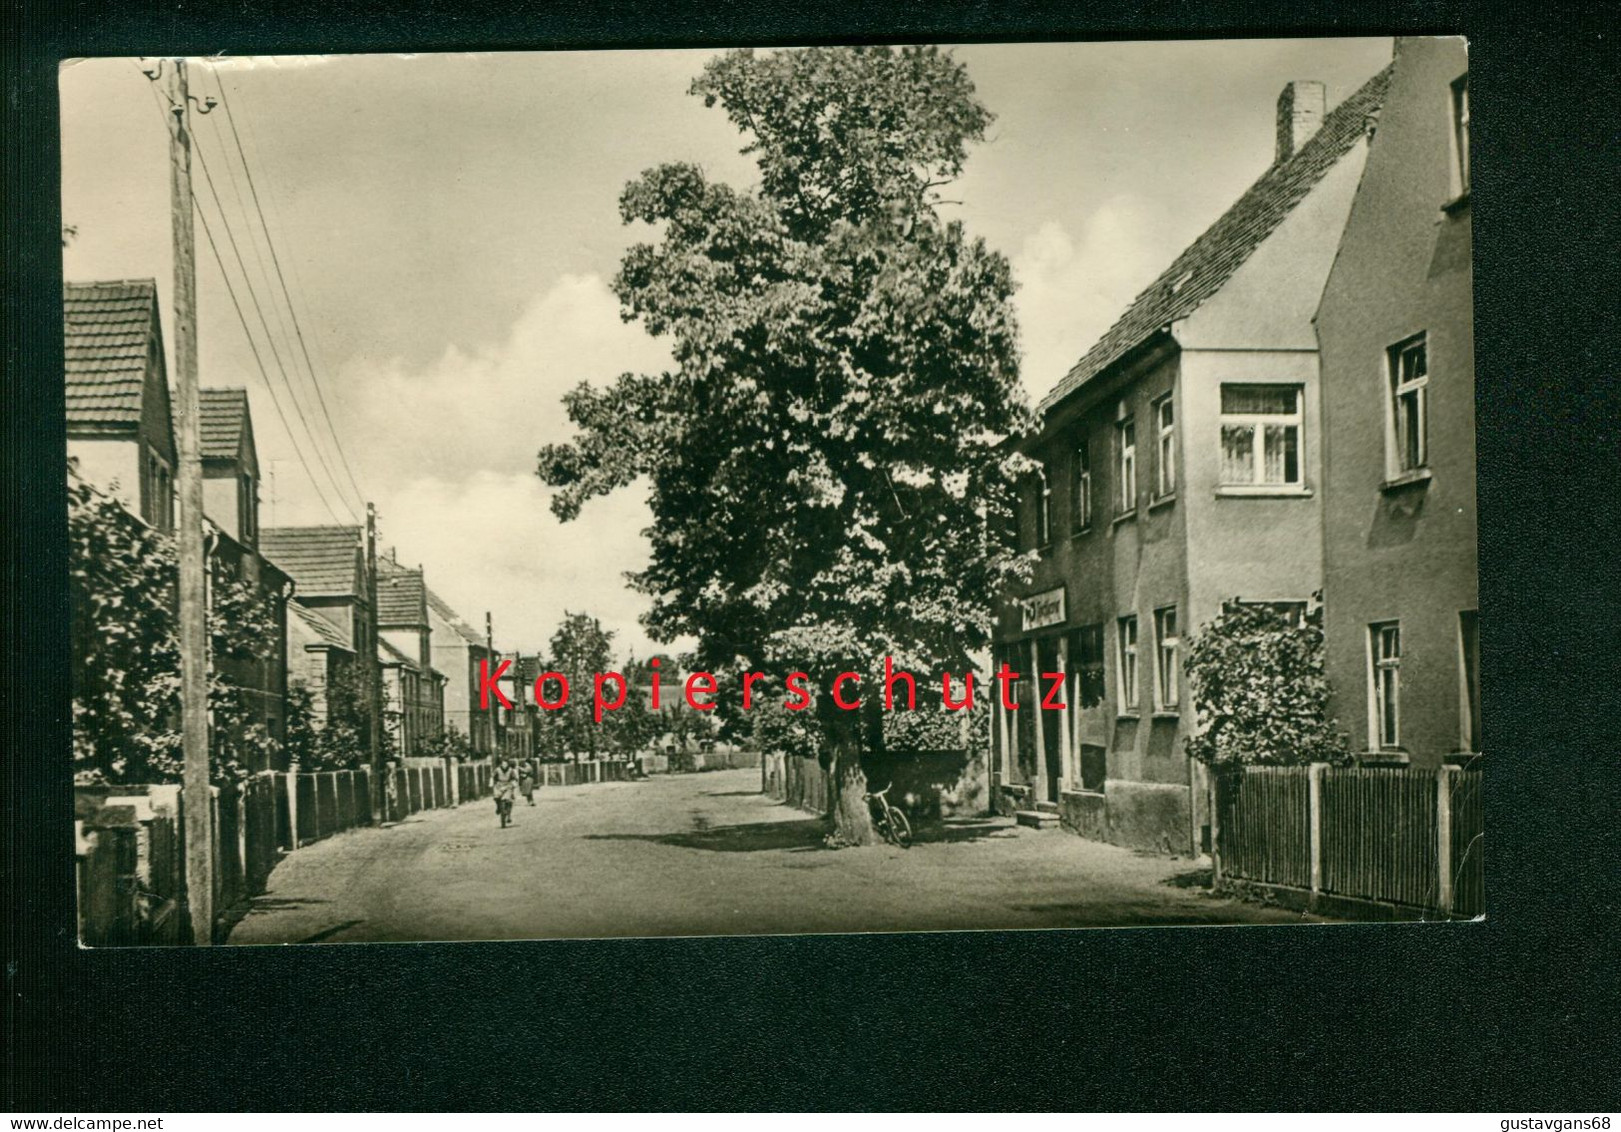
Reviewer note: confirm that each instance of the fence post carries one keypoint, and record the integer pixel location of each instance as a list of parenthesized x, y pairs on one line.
[(292, 805), (1443, 837), (1215, 827), (1314, 809)]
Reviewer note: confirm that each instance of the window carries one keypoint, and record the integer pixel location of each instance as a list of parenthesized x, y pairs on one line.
[(1086, 662), (1384, 648), (1460, 130), (1081, 488), (249, 506), (1128, 665), (1409, 395), (1165, 466), (1260, 435), (1469, 701), (1044, 508), (1166, 644), (1128, 466)]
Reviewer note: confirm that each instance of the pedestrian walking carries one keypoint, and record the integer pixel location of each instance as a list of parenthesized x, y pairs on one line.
[(526, 780), (506, 789)]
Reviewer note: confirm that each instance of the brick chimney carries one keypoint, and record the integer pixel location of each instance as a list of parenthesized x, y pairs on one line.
[(1301, 107)]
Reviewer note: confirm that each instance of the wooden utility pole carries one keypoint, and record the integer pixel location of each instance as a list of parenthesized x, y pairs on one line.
[(197, 799), (373, 666)]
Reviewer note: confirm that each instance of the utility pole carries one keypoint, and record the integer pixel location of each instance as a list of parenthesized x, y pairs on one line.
[(373, 665), (493, 713), (197, 799)]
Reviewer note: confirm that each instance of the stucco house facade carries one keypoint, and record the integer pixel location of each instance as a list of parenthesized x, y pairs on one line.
[(456, 651), (1181, 466), (1395, 331)]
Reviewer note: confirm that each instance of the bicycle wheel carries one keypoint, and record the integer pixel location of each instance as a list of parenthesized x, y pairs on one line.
[(900, 830)]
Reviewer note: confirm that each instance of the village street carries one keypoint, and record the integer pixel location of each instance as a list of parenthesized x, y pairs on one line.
[(702, 854)]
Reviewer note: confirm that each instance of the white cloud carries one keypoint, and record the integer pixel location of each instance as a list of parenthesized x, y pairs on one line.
[(1072, 289), (447, 452)]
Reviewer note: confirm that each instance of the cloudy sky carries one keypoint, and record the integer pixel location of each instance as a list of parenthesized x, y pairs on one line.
[(445, 226)]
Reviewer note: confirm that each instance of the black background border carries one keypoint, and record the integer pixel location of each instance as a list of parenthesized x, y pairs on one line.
[(1517, 1013)]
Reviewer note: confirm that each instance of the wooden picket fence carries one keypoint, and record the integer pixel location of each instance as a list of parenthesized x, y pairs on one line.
[(1410, 838), (131, 840)]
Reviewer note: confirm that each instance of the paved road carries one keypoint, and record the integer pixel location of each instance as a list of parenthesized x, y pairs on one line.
[(705, 854)]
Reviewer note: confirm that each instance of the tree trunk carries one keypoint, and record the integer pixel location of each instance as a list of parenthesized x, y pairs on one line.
[(847, 800)]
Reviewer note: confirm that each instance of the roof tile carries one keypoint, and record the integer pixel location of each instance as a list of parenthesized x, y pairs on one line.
[(320, 560), (1207, 264), (107, 335)]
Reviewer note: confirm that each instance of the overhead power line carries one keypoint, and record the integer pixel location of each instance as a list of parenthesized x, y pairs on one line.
[(253, 299), (282, 279), (236, 304)]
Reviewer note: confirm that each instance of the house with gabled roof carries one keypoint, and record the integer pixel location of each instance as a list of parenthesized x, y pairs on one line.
[(332, 582), (230, 463), (414, 690), (457, 649), (1180, 466), (120, 431)]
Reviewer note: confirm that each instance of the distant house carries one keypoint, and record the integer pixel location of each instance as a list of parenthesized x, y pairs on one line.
[(457, 649), (1180, 466), (414, 691), (119, 427), (1395, 330), (329, 572), (318, 656)]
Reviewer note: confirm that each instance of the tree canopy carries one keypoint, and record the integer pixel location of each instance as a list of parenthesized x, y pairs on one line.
[(828, 479)]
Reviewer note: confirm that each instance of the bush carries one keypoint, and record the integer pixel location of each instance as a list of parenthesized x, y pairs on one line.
[(1259, 688)]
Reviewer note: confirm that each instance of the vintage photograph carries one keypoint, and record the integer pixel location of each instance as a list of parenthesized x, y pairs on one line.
[(582, 494)]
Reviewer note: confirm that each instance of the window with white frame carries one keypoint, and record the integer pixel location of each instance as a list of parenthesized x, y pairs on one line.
[(1165, 463), (1127, 629), (1460, 129), (1128, 465), (1081, 487), (1409, 405), (1167, 642), (1044, 508), (1260, 436), (1384, 655)]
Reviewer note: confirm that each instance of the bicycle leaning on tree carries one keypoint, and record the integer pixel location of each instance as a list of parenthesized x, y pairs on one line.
[(890, 822)]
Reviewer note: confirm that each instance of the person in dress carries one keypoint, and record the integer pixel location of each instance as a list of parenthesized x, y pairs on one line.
[(526, 780), (506, 789)]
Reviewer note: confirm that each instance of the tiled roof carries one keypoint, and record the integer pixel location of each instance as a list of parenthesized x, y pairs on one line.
[(107, 332), (1207, 264), (224, 415), (442, 608), (320, 626), (401, 595), (320, 560)]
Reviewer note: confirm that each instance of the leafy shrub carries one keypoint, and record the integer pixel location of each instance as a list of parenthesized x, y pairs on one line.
[(1260, 691)]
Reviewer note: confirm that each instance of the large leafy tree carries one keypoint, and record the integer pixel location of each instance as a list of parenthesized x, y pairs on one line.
[(828, 482), (122, 581), (825, 463)]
